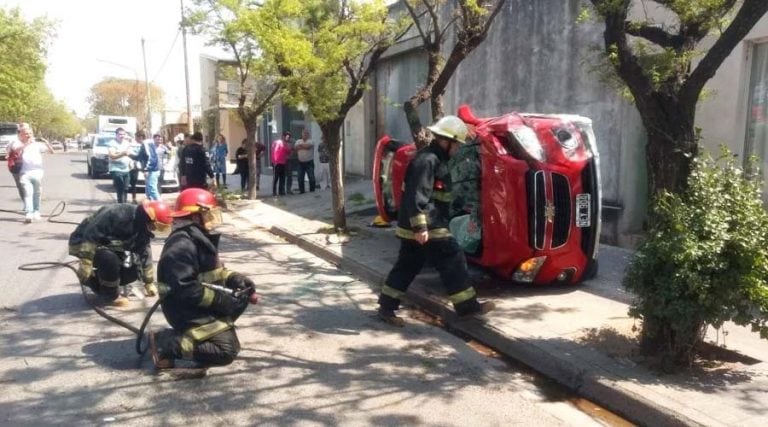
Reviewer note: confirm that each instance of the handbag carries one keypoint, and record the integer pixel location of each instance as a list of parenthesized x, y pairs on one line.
[(15, 161)]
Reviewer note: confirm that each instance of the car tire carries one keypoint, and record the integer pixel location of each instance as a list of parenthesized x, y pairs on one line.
[(591, 271)]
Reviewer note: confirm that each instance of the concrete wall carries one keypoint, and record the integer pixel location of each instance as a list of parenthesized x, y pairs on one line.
[(537, 58), (722, 115)]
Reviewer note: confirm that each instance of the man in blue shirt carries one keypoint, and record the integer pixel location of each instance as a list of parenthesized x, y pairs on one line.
[(149, 158)]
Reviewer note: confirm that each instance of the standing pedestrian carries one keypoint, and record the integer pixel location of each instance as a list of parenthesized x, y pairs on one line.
[(136, 166), (280, 152), (259, 148), (120, 164), (292, 162), (241, 165), (324, 157), (219, 157), (14, 165), (196, 165), (30, 152), (423, 228), (150, 156), (306, 155)]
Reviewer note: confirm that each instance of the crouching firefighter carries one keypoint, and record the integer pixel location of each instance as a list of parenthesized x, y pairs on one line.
[(113, 246), (422, 226), (201, 300)]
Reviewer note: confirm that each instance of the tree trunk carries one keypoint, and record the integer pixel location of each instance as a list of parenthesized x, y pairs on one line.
[(411, 107), (250, 135), (332, 136), (672, 142)]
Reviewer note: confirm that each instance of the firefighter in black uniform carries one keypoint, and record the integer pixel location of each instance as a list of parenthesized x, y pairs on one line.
[(200, 299), (422, 226), (194, 165), (114, 249)]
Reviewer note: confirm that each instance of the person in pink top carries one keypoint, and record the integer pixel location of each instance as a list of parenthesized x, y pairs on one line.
[(280, 153)]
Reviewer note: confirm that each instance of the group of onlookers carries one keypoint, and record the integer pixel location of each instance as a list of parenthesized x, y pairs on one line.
[(128, 158), (288, 157), (25, 162)]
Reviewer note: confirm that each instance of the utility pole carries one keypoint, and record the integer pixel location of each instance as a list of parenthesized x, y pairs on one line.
[(186, 67), (148, 97)]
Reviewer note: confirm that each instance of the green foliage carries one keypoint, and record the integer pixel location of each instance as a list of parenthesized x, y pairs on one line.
[(705, 260), (321, 49), (51, 118), (23, 48)]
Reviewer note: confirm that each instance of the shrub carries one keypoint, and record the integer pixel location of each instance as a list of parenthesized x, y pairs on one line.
[(704, 262)]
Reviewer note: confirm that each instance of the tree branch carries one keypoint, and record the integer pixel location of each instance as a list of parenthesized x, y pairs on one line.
[(655, 35), (416, 22), (749, 14)]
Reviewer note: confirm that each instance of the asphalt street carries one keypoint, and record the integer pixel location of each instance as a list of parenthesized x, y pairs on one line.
[(312, 352)]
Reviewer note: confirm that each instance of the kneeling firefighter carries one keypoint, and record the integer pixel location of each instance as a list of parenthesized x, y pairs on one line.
[(114, 249), (200, 299)]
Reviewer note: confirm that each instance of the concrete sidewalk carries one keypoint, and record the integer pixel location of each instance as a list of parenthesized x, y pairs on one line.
[(579, 336)]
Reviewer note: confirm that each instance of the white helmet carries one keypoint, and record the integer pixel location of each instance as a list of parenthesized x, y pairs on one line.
[(450, 127)]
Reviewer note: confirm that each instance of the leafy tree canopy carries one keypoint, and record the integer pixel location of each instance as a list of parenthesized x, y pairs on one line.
[(23, 47), (124, 97), (323, 49)]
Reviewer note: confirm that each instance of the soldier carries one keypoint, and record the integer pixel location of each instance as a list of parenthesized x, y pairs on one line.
[(115, 242), (423, 227), (201, 300)]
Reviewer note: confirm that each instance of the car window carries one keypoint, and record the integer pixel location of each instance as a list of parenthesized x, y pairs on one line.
[(7, 130), (104, 141)]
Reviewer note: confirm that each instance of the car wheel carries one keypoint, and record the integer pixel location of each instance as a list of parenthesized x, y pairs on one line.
[(591, 271)]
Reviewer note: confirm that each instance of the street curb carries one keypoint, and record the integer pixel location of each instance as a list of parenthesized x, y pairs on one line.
[(591, 383)]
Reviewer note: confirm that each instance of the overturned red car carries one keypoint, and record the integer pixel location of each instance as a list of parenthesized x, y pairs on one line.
[(526, 194)]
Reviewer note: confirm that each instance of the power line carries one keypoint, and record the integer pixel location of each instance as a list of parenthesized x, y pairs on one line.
[(167, 55)]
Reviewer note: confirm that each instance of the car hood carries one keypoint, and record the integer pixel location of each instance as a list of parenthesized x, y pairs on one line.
[(100, 150)]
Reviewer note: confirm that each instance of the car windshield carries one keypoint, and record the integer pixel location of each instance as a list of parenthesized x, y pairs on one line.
[(103, 141), (7, 130)]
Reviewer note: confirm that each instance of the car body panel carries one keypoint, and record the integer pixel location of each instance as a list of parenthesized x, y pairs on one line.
[(8, 134), (97, 156), (545, 204)]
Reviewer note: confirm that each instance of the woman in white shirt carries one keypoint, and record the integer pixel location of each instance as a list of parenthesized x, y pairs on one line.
[(31, 175)]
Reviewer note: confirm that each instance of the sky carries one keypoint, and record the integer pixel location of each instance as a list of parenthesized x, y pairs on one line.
[(102, 38)]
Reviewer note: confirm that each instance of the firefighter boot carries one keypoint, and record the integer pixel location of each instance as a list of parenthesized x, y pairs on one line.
[(477, 309), (159, 357), (389, 316)]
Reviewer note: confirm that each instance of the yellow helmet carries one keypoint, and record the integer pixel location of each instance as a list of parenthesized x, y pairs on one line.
[(450, 127)]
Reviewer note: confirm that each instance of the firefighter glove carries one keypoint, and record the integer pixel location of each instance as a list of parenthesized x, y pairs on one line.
[(85, 270), (229, 304), (238, 281), (150, 289)]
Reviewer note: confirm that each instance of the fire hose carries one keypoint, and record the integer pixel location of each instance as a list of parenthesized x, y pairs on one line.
[(140, 332)]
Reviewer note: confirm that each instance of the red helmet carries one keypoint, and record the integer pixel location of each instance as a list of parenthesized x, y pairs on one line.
[(157, 211), (193, 200)]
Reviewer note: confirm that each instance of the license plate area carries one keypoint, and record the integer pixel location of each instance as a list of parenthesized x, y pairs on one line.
[(583, 210)]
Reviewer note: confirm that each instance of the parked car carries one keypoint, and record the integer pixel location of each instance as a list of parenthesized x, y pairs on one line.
[(526, 195), (168, 181), (57, 146), (7, 137), (96, 157)]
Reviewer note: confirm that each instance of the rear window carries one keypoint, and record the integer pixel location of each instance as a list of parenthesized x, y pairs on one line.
[(7, 129), (103, 141)]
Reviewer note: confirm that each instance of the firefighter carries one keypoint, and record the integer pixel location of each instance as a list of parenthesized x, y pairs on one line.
[(200, 299), (422, 227), (114, 249)]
